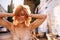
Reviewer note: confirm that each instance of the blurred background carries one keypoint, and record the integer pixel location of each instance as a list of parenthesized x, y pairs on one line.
[(51, 8)]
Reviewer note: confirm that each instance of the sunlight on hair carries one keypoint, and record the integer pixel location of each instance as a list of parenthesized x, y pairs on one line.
[(27, 22)]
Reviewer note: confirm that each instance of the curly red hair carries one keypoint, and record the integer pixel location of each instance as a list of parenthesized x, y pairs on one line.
[(26, 10)]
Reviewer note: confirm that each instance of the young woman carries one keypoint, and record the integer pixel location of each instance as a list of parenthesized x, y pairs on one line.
[(21, 27)]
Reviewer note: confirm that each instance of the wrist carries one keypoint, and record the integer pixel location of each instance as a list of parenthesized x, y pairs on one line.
[(10, 14)]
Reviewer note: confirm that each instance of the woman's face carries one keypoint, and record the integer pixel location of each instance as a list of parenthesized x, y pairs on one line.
[(21, 18)]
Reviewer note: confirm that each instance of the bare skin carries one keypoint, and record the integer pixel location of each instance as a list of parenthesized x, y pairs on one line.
[(20, 31)]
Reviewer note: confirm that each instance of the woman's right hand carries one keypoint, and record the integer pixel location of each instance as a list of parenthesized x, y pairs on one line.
[(5, 14)]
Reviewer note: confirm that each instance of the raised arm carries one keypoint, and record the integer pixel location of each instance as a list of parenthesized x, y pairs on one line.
[(2, 14), (39, 16), (38, 21), (6, 24)]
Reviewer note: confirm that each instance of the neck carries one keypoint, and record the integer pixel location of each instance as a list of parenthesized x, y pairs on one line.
[(21, 25)]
